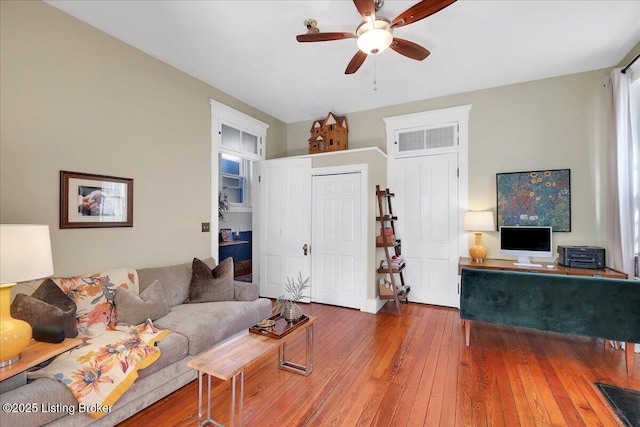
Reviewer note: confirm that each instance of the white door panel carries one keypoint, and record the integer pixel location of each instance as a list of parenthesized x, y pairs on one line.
[(337, 240), (285, 222), (426, 203)]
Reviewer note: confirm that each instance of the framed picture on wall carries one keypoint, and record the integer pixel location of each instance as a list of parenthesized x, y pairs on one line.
[(535, 198), (225, 234), (93, 201)]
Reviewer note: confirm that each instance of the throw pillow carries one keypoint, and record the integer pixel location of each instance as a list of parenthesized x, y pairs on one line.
[(94, 297), (207, 285), (48, 305), (135, 310)]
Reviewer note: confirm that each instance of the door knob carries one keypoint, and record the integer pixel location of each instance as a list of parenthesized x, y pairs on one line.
[(305, 248)]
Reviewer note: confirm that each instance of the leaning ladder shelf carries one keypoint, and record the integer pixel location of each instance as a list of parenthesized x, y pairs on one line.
[(388, 242)]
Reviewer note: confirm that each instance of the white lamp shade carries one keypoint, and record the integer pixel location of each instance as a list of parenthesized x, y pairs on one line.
[(479, 221), (25, 252)]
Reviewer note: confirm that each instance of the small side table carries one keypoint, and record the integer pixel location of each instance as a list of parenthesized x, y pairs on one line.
[(37, 352)]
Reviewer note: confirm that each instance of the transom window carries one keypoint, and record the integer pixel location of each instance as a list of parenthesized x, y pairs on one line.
[(427, 138), (238, 140)]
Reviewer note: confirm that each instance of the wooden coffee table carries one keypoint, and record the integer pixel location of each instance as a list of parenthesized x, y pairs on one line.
[(229, 359)]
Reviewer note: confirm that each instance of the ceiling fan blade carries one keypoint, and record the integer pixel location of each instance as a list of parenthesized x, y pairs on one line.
[(365, 8), (420, 11), (323, 37), (409, 49), (356, 62)]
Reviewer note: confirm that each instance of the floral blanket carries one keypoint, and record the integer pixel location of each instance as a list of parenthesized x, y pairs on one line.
[(94, 296), (99, 373)]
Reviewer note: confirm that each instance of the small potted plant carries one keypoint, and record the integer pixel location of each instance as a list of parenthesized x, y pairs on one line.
[(223, 204), (287, 307)]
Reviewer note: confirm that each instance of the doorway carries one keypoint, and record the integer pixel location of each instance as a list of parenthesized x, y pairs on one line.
[(284, 223), (237, 145), (235, 213), (323, 239), (337, 236), (428, 172), (426, 189)]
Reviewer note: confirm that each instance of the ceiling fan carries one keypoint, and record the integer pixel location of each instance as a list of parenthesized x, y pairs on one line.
[(375, 33)]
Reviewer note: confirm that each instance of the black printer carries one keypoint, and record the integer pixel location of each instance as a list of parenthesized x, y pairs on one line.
[(581, 256)]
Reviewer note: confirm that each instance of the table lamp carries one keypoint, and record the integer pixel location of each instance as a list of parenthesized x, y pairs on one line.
[(477, 222), (25, 254)]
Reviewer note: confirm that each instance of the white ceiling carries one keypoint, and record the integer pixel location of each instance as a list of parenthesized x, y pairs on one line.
[(248, 48)]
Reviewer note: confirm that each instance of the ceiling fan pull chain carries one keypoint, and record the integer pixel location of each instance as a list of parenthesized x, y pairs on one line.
[(375, 73)]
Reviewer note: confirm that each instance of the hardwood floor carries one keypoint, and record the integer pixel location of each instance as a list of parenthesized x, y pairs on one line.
[(414, 370)]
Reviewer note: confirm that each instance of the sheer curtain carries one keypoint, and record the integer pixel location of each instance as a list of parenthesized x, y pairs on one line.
[(623, 232)]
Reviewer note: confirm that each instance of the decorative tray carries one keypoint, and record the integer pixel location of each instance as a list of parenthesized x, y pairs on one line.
[(277, 326)]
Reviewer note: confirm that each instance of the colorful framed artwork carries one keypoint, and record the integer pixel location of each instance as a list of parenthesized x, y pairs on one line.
[(535, 198), (225, 234), (94, 201)]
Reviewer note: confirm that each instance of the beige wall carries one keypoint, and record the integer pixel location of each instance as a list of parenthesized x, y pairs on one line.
[(553, 123), (73, 98), (629, 56)]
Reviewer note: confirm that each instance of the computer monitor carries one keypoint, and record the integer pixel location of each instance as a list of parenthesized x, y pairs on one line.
[(525, 242)]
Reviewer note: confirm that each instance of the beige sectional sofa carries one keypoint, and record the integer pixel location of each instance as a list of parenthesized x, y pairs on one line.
[(196, 327)]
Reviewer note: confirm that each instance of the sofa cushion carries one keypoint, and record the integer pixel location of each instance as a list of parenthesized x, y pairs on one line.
[(172, 348), (175, 280), (27, 288), (208, 323), (134, 310), (48, 393), (246, 291), (48, 305), (211, 285)]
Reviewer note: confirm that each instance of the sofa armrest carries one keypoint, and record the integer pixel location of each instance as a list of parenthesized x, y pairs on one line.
[(246, 291)]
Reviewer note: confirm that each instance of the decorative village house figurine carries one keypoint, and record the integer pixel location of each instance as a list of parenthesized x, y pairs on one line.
[(330, 134)]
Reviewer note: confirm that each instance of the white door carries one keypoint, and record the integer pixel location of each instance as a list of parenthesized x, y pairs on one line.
[(426, 204), (337, 240), (285, 222)]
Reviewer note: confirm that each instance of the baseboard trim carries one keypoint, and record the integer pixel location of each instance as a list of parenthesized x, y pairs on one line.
[(374, 305)]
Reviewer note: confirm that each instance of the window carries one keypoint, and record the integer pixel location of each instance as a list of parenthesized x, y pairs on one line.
[(235, 169), (427, 138), (238, 141), (235, 180), (236, 133)]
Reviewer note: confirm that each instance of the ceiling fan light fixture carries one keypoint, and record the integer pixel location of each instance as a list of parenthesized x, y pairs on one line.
[(375, 33), (373, 39)]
